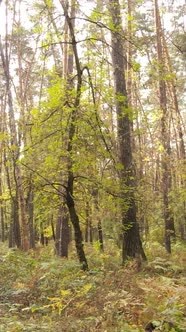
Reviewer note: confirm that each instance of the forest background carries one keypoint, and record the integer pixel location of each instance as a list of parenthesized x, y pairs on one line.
[(92, 130)]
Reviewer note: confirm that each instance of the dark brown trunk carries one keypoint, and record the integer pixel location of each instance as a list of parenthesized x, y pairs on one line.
[(100, 235), (182, 230), (17, 233), (72, 127), (42, 238), (88, 224), (77, 231), (90, 232), (131, 238), (58, 233), (14, 231), (95, 194), (64, 233)]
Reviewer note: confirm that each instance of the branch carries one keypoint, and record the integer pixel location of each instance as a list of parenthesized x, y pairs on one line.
[(99, 121), (52, 184), (41, 140)]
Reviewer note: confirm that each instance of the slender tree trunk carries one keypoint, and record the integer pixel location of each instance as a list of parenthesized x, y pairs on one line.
[(173, 94), (2, 224), (2, 130), (99, 223), (15, 154), (72, 127), (88, 225), (87, 221), (14, 231), (77, 231), (100, 235), (58, 233), (90, 232), (53, 228), (16, 228), (30, 209), (11, 235), (165, 136), (179, 130), (132, 246), (1, 200), (64, 233), (23, 213), (62, 223), (67, 72)]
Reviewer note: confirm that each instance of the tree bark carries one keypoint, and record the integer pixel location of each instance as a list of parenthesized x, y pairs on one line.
[(64, 233), (15, 154), (165, 136), (99, 223), (58, 233), (1, 200), (30, 209), (72, 127), (132, 245)]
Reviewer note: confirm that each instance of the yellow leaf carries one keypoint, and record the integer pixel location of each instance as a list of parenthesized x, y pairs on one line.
[(86, 288), (65, 292)]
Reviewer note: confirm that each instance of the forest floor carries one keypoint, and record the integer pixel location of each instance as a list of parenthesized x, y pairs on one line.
[(41, 292)]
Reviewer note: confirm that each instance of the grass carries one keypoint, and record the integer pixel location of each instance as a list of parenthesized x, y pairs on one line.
[(42, 292)]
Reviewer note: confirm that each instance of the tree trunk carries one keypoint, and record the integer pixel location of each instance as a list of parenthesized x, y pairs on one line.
[(11, 235), (62, 232), (87, 222), (22, 204), (77, 231), (58, 233), (1, 173), (2, 224), (132, 245), (14, 231), (88, 225), (17, 232), (100, 235), (53, 229), (179, 130), (30, 209), (1, 202), (99, 223), (62, 239), (15, 154), (72, 127), (165, 137)]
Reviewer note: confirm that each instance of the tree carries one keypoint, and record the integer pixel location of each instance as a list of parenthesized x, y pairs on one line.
[(72, 127), (15, 153), (132, 245), (165, 136)]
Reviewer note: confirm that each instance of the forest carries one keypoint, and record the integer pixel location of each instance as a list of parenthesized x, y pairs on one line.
[(92, 165)]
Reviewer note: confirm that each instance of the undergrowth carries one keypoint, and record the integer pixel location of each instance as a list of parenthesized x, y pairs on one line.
[(42, 292)]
